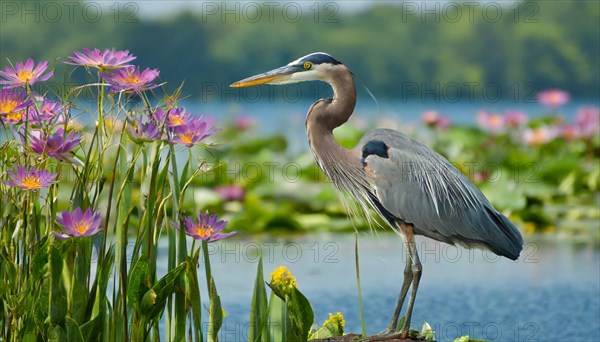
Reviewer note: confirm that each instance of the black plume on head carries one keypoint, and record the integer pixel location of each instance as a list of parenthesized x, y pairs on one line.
[(319, 58)]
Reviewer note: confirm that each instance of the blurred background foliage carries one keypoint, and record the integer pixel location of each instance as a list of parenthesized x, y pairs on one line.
[(540, 43)]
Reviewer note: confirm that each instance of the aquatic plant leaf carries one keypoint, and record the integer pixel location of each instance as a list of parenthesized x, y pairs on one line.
[(278, 318), (215, 316), (258, 328), (154, 300), (301, 316), (58, 298), (193, 293), (138, 279), (73, 331)]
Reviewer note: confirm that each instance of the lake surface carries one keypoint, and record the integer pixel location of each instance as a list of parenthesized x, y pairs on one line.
[(552, 293), (287, 116)]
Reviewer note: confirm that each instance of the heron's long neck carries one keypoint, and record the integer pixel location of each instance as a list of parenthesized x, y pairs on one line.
[(331, 113), (323, 117)]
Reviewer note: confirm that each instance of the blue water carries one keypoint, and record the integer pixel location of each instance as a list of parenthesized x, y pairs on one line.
[(287, 116), (552, 293)]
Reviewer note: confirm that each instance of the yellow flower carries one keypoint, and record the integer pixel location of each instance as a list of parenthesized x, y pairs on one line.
[(335, 320), (282, 278)]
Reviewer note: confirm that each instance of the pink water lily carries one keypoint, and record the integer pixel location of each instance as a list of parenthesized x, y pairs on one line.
[(25, 73), (588, 121), (515, 118), (493, 123), (231, 192), (570, 132), (243, 122), (553, 98), (539, 135)]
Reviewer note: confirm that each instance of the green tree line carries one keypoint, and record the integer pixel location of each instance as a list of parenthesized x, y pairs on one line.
[(397, 49)]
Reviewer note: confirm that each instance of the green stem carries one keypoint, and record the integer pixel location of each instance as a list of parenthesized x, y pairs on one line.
[(206, 263), (180, 300)]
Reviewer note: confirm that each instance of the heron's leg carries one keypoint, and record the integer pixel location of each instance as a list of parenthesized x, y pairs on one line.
[(416, 271), (408, 276)]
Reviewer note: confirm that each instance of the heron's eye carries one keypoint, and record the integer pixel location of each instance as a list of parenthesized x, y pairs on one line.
[(307, 65)]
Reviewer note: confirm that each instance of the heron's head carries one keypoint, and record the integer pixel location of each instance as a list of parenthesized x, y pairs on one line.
[(317, 66)]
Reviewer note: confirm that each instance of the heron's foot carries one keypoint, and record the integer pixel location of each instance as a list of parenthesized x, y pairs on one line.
[(385, 335), (392, 335)]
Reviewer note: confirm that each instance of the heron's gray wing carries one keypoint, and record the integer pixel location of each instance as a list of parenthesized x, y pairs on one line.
[(421, 187)]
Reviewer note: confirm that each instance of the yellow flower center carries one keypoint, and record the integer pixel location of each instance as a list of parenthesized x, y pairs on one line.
[(81, 227), (132, 79), (176, 120), (8, 106), (25, 76), (203, 231), (14, 116), (31, 182), (187, 138)]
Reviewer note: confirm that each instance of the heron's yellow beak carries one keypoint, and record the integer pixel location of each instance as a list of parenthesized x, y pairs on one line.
[(276, 76)]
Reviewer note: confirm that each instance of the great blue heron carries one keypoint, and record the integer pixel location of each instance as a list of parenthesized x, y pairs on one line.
[(414, 189)]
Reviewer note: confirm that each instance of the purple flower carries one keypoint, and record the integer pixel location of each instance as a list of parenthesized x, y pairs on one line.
[(231, 192), (58, 145), (515, 118), (13, 103), (107, 59), (49, 110), (553, 98), (140, 132), (78, 223), (131, 79), (194, 131), (588, 121), (206, 228), (23, 74), (173, 118), (30, 179)]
